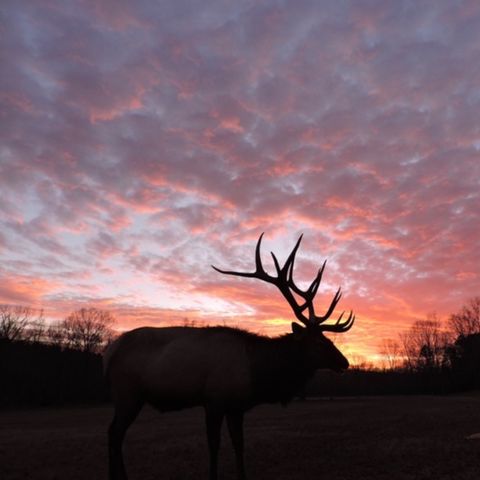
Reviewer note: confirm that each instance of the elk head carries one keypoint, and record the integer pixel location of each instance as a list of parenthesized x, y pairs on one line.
[(319, 351)]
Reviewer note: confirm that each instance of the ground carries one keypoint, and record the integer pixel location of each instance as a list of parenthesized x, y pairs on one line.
[(408, 438)]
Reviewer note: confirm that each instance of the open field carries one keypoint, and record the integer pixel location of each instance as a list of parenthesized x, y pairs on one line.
[(348, 438)]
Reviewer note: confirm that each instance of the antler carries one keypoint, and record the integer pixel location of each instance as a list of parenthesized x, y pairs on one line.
[(284, 282)]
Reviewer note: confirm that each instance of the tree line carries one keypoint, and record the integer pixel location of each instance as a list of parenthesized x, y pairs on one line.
[(431, 348), (55, 363), (86, 329), (52, 363), (430, 357)]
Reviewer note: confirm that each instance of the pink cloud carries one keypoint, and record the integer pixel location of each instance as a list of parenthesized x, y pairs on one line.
[(25, 290)]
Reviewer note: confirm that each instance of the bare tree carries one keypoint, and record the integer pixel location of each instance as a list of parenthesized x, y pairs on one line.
[(390, 351), (36, 329), (359, 362), (14, 320), (55, 335), (409, 350), (424, 344), (87, 329), (467, 320)]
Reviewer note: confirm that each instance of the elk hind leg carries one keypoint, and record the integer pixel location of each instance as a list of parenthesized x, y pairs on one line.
[(126, 410), (214, 419), (235, 429)]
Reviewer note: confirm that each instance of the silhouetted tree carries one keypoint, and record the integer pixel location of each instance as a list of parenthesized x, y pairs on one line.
[(14, 320), (359, 362), (35, 366), (424, 345), (36, 329), (55, 335), (464, 357), (467, 320), (390, 350), (464, 354), (87, 329)]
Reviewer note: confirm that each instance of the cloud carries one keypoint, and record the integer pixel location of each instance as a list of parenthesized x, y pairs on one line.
[(24, 290)]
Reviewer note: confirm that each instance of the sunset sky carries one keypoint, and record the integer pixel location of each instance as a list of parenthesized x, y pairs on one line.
[(142, 142)]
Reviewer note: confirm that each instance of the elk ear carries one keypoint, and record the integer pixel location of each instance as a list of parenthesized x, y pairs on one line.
[(297, 330)]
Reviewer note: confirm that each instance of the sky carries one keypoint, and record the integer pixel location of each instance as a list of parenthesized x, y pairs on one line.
[(142, 142)]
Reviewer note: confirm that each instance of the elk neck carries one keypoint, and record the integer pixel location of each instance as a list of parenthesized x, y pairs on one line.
[(279, 368)]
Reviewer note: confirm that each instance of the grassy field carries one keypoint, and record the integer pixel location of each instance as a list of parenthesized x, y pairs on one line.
[(349, 438)]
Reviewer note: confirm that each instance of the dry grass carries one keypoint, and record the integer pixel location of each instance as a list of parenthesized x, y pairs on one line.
[(364, 438)]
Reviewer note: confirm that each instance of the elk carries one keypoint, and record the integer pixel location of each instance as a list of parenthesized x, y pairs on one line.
[(225, 370)]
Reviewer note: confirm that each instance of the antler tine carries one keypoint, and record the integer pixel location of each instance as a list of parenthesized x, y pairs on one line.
[(259, 270), (288, 267), (332, 306), (340, 327), (277, 265), (313, 288), (258, 259), (237, 274), (289, 270), (286, 272), (287, 275)]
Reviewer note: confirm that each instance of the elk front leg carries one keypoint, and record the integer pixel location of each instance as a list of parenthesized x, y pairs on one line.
[(214, 420), (235, 428), (126, 410)]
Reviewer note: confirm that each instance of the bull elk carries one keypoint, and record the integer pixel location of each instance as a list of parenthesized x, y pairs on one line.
[(225, 370)]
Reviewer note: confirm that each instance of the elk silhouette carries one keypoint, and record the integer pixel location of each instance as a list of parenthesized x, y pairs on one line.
[(225, 370)]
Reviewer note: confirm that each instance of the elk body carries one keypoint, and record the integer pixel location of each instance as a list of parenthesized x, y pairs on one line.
[(225, 370)]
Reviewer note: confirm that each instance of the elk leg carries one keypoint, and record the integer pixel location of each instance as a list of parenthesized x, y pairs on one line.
[(125, 414), (214, 420), (235, 428)]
